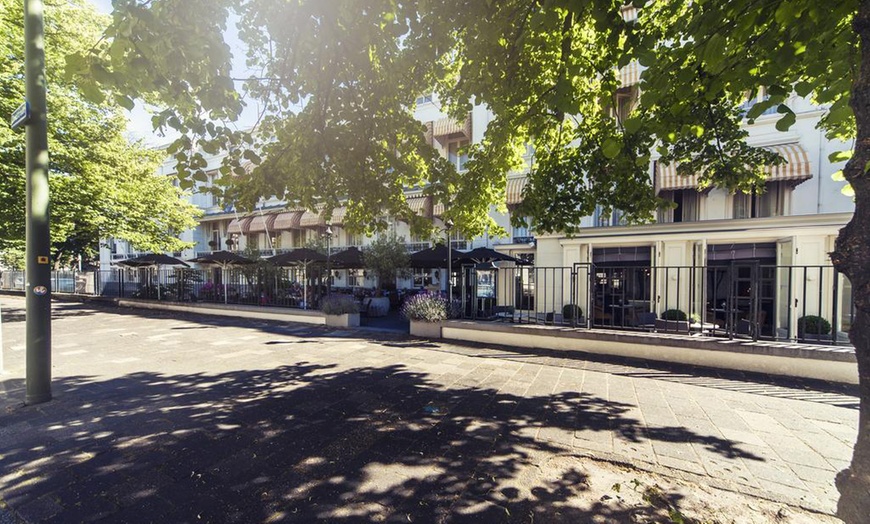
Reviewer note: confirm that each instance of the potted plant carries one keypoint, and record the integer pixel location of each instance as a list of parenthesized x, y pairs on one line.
[(814, 328), (426, 312), (571, 313), (340, 311)]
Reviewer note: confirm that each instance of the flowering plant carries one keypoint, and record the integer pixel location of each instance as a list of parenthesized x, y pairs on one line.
[(426, 307), (339, 305)]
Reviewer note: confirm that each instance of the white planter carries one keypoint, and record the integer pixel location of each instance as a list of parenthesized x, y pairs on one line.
[(346, 320), (426, 329)]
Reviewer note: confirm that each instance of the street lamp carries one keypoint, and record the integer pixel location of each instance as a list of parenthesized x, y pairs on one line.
[(448, 225), (328, 235)]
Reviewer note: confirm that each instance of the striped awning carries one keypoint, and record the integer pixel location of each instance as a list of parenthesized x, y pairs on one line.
[(667, 179), (288, 220), (630, 74), (310, 219), (629, 13), (420, 205), (448, 126), (239, 225), (262, 223), (338, 215), (514, 190), (795, 169), (438, 210)]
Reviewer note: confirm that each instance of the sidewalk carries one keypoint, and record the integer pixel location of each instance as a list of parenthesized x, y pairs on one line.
[(166, 417)]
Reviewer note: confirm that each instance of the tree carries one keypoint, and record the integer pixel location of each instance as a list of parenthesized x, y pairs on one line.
[(338, 82), (387, 259), (101, 185)]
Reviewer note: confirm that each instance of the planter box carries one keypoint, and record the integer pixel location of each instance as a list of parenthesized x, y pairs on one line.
[(346, 320), (426, 329)]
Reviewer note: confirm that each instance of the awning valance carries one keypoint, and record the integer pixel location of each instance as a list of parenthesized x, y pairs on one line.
[(420, 205), (338, 215), (310, 219), (239, 225), (514, 190), (630, 74), (262, 223), (795, 169), (447, 126), (288, 220)]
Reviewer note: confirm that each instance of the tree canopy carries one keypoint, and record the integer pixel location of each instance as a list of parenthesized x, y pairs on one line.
[(101, 185), (338, 80)]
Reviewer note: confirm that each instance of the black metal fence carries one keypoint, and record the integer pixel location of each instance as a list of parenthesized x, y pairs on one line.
[(735, 299), (731, 299)]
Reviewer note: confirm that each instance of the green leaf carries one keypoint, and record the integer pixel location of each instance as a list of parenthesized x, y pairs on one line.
[(124, 101), (784, 123), (611, 148), (840, 156)]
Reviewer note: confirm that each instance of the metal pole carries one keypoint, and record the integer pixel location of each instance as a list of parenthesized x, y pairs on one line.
[(38, 274)]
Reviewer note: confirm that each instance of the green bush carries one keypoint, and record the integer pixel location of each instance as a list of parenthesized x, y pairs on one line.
[(571, 311), (673, 314), (813, 325), (339, 305)]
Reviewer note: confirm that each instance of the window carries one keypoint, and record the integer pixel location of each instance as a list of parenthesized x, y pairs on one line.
[(523, 234), (458, 241), (771, 203), (688, 206), (424, 99), (624, 103), (754, 98), (457, 153), (421, 278), (354, 239), (614, 218)]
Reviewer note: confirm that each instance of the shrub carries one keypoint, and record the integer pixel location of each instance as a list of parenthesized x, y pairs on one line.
[(673, 314), (813, 325), (426, 307), (339, 305), (571, 311)]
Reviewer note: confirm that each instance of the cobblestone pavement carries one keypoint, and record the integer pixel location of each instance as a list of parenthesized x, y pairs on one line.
[(174, 418)]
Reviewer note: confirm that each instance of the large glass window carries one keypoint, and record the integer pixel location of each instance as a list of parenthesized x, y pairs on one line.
[(771, 203), (457, 153), (688, 203)]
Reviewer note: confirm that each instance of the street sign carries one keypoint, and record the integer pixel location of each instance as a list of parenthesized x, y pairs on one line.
[(20, 116)]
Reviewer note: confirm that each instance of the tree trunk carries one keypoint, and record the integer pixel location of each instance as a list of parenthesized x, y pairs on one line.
[(852, 258)]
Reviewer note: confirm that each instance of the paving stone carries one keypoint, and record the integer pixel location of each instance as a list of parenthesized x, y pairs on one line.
[(193, 437)]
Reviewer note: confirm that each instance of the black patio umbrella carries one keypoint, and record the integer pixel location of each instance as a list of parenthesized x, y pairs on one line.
[(350, 258), (223, 260), (299, 257), (152, 260), (302, 255), (482, 255), (433, 257)]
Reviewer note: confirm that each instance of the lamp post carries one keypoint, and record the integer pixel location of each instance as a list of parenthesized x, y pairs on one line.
[(38, 270), (328, 235), (448, 225)]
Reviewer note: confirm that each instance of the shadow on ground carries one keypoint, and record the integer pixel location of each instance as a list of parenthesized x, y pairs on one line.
[(306, 443)]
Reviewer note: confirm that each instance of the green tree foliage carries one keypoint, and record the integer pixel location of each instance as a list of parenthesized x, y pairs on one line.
[(337, 81), (387, 259), (100, 184)]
